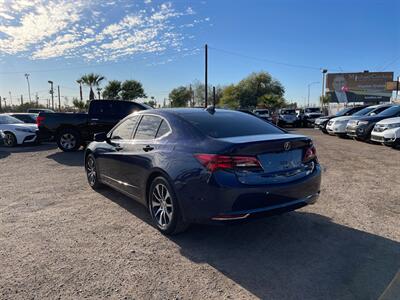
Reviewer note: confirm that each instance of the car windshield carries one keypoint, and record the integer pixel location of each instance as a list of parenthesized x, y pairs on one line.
[(312, 110), (343, 111), (364, 111), (223, 124), (390, 111), (288, 112), (9, 120)]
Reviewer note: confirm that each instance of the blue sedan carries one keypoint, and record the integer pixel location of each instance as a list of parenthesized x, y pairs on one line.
[(204, 166)]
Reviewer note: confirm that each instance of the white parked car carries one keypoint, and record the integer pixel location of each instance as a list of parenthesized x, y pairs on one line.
[(387, 132), (337, 126), (262, 113), (17, 132)]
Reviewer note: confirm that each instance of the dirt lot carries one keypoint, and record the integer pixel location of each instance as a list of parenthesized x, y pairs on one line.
[(60, 239)]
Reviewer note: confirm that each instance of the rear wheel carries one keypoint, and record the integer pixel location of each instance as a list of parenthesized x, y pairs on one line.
[(69, 140), (164, 208), (9, 139)]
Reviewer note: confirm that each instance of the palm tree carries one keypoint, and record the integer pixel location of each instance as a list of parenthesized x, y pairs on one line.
[(91, 80)]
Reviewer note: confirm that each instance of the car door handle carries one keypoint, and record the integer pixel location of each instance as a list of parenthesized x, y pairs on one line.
[(148, 148)]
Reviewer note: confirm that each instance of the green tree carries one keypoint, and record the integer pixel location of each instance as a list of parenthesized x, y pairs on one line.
[(131, 90), (151, 102), (271, 101), (80, 104), (112, 89), (91, 80), (180, 96), (252, 88), (230, 97), (325, 99)]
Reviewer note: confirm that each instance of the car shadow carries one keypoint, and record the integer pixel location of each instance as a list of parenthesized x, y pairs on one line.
[(72, 159), (4, 154), (28, 148), (299, 255)]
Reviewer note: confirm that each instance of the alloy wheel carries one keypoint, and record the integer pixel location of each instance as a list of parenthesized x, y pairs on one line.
[(161, 205), (91, 171), (9, 140), (68, 141)]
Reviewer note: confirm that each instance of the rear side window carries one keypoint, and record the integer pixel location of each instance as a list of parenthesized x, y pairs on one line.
[(224, 124), (147, 128), (163, 130), (124, 130)]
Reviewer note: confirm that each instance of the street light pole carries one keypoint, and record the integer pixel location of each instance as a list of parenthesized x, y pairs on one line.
[(324, 71), (309, 85), (51, 93), (29, 87)]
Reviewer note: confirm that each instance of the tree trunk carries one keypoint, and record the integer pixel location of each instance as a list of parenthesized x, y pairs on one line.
[(91, 94)]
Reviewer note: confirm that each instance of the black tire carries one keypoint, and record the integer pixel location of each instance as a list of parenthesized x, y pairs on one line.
[(324, 131), (10, 140), (92, 173), (164, 208), (69, 140)]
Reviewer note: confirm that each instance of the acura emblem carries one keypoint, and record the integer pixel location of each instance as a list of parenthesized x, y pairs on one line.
[(287, 146)]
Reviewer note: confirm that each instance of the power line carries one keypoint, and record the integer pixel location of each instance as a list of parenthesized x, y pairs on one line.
[(266, 60)]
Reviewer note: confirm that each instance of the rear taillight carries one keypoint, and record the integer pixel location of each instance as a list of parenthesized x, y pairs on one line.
[(215, 162), (310, 154), (39, 120)]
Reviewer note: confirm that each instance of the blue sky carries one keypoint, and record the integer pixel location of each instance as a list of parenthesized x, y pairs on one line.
[(160, 43)]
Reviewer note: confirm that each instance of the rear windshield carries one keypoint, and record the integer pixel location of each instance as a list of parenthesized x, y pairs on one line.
[(224, 124)]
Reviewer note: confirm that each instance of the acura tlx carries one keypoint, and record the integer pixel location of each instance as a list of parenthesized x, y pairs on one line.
[(204, 166)]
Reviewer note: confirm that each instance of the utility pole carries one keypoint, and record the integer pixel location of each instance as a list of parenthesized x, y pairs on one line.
[(0, 103), (98, 92), (206, 76), (9, 94), (214, 96), (29, 87), (22, 100), (59, 97), (51, 93), (37, 100)]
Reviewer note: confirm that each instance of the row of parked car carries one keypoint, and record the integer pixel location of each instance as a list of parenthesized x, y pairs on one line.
[(291, 117), (375, 123)]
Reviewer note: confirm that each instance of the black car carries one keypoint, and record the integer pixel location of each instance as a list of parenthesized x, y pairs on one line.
[(321, 122), (72, 130), (29, 118), (361, 128), (203, 166)]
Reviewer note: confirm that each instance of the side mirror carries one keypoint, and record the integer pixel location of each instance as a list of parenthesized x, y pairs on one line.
[(100, 137), (373, 114)]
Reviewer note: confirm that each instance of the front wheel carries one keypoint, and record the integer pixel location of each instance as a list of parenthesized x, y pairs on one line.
[(68, 140), (164, 208), (92, 173)]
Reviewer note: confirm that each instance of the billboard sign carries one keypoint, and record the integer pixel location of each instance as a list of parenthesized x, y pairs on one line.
[(358, 87)]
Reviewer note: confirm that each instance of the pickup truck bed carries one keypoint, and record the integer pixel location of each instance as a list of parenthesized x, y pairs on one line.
[(72, 130)]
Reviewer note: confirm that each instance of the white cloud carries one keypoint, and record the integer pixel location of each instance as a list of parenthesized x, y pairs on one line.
[(42, 29)]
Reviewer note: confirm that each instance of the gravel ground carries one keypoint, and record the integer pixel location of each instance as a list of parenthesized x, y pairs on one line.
[(61, 239)]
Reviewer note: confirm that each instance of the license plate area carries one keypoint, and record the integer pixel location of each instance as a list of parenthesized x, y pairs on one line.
[(281, 161)]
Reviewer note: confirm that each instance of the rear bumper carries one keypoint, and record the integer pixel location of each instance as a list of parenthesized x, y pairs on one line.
[(229, 200)]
